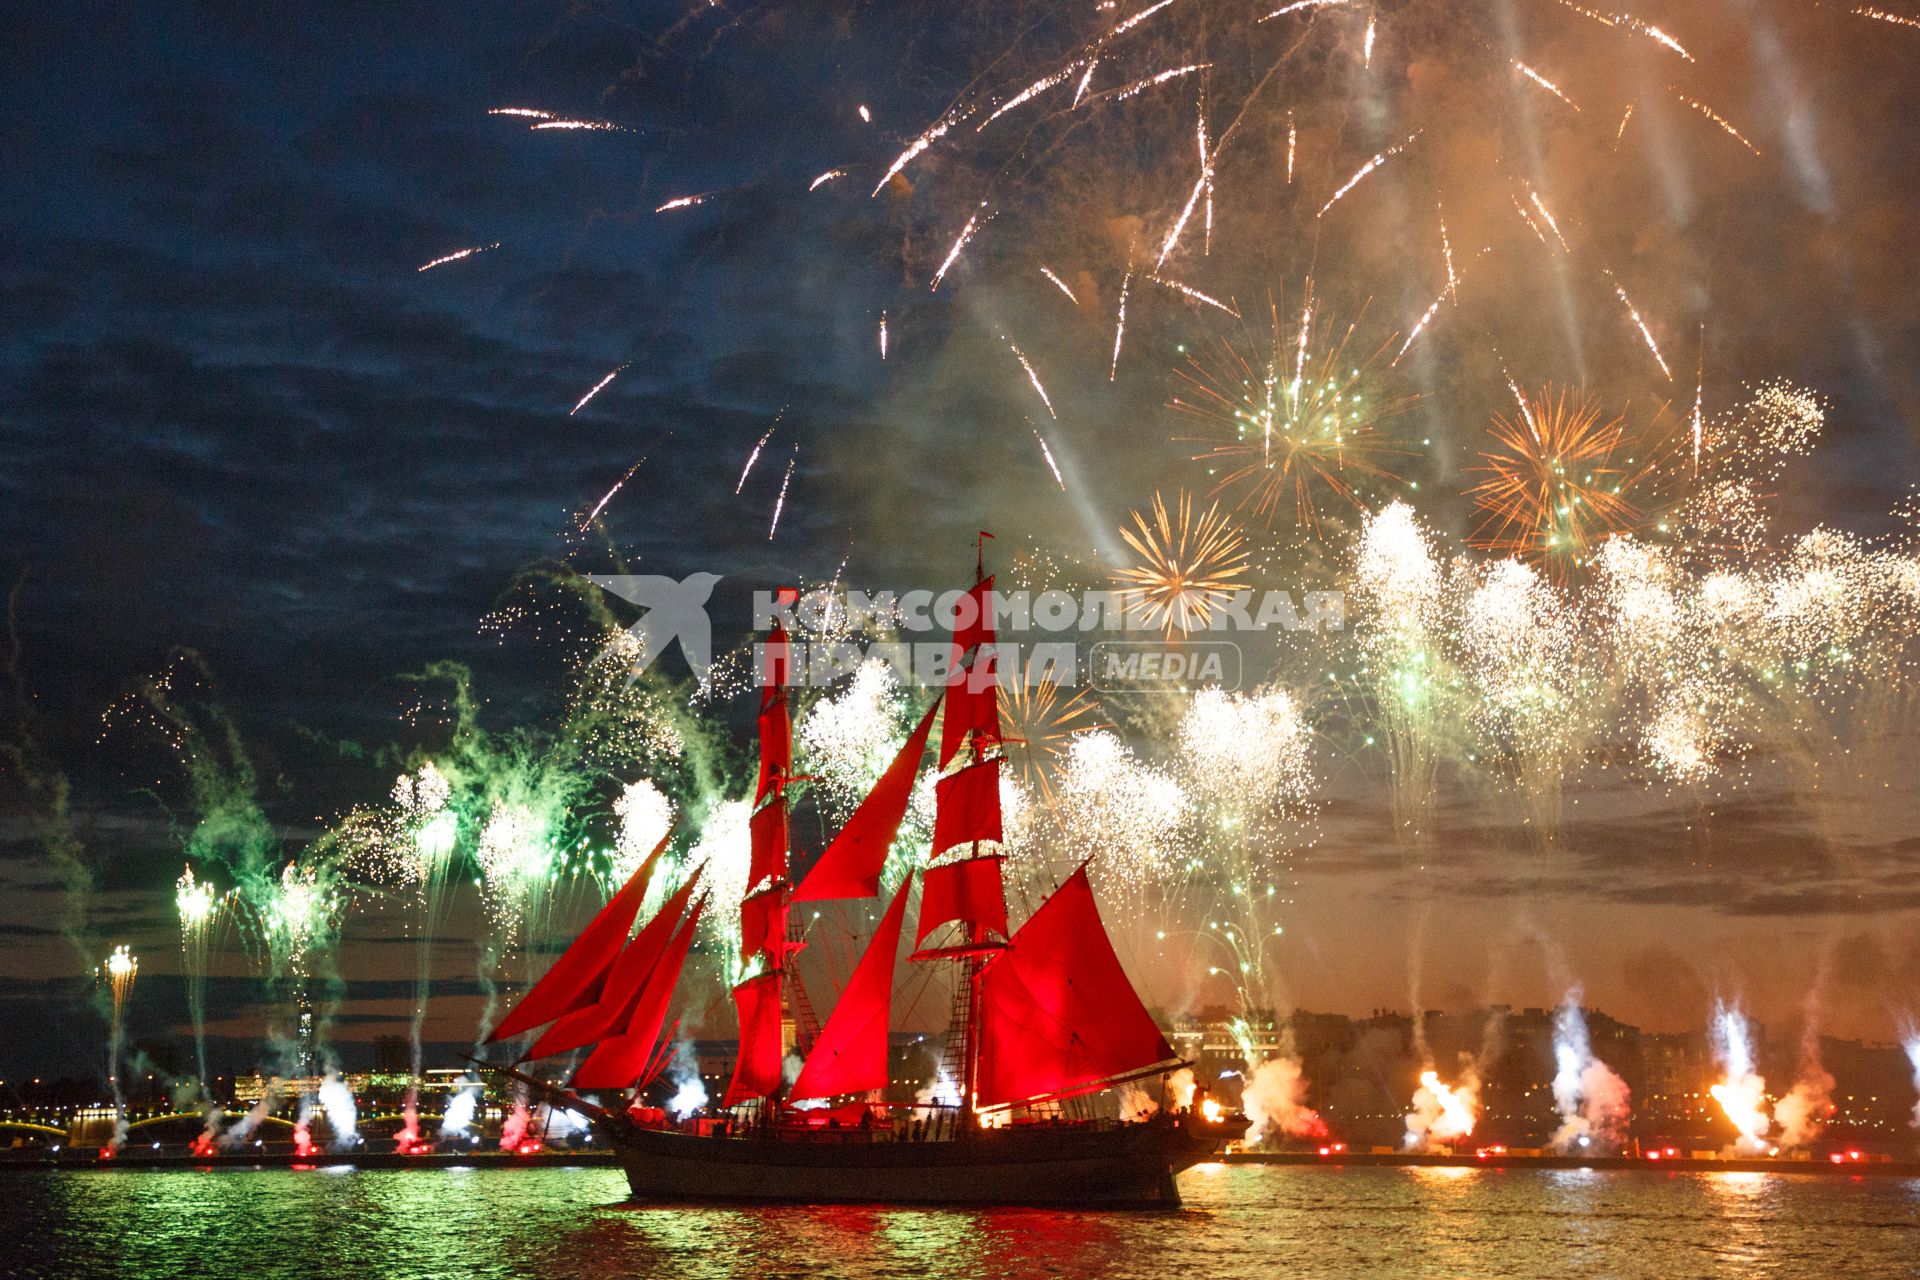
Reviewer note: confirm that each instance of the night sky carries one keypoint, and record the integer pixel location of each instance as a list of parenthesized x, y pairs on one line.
[(235, 417)]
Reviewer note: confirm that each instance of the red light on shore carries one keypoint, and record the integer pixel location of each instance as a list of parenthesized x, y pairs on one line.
[(1853, 1155), (107, 1153), (1837, 1158), (1653, 1155), (1326, 1151)]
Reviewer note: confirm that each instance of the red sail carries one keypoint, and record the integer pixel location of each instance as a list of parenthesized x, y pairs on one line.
[(624, 983), (1057, 1011), (968, 891), (973, 696), (767, 836), (851, 1054), (619, 1062), (976, 619), (576, 979), (763, 924), (756, 1072), (850, 867), (966, 807)]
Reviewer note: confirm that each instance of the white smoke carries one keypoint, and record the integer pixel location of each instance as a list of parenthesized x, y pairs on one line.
[(1137, 1102), (690, 1092), (251, 1121), (461, 1104), (343, 1114), (1180, 1089), (1592, 1100), (560, 1122), (1803, 1113), (1274, 1098)]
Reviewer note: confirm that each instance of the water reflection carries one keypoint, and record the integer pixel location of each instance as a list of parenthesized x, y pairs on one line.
[(1241, 1223)]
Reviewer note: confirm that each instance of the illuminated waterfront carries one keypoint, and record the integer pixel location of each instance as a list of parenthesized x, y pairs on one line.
[(1239, 1222)]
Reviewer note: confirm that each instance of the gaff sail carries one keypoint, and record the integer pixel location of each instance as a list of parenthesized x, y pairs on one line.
[(1057, 1012)]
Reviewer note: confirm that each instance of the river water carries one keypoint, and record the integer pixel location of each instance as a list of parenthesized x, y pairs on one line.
[(1239, 1223)]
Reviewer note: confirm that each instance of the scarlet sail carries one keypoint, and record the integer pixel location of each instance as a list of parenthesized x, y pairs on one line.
[(624, 982), (756, 1072), (851, 1054), (969, 891), (1057, 1012), (623, 1061), (576, 979), (850, 866)]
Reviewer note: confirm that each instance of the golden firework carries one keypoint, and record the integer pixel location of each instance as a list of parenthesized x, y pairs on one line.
[(1045, 723), (1186, 567), (1293, 416), (1560, 479)]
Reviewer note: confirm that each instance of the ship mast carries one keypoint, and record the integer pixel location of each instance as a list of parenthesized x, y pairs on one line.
[(764, 947), (962, 885)]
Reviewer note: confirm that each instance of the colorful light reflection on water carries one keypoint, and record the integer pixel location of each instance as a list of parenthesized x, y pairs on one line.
[(1240, 1223)]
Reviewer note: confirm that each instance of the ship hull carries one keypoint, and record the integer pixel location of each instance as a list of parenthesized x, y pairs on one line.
[(1125, 1166)]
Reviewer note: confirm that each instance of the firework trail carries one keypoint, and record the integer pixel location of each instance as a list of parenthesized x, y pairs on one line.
[(120, 969), (1646, 334), (1120, 325), (1726, 126), (1047, 454), (1544, 83), (953, 254), (1882, 15), (199, 910), (458, 255), (1190, 292), (1741, 1092), (1061, 284), (1032, 377), (883, 335), (829, 176), (595, 390), (1365, 169), (780, 503), (754, 456)]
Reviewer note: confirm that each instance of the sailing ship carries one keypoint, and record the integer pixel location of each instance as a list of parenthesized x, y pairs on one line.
[(1044, 1016)]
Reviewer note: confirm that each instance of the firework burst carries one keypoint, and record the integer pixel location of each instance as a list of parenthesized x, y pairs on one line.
[(1560, 478), (1043, 720), (1185, 567), (1291, 419)]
